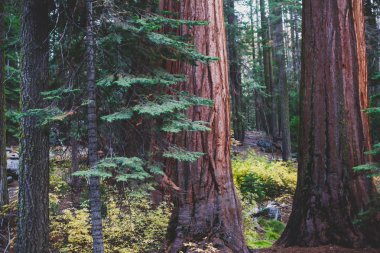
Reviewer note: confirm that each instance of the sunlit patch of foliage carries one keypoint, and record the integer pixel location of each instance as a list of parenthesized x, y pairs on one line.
[(260, 179), (132, 226)]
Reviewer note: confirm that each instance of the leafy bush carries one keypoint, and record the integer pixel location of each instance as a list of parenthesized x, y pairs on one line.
[(260, 179), (133, 226)]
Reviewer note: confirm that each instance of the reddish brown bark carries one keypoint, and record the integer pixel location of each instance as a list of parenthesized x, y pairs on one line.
[(206, 207), (334, 131)]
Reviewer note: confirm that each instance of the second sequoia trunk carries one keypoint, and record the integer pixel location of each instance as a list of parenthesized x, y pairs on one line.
[(207, 207), (334, 130)]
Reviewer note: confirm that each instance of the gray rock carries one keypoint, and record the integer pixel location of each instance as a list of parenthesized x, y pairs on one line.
[(12, 163), (271, 211), (266, 146)]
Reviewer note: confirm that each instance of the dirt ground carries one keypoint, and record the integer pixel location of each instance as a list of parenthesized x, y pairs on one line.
[(325, 249), (250, 142)]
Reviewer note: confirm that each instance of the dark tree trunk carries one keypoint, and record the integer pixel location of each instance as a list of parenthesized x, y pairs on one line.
[(3, 157), (33, 198), (296, 59), (234, 73), (206, 206), (279, 60), (258, 100), (95, 201), (268, 69), (334, 130), (260, 106)]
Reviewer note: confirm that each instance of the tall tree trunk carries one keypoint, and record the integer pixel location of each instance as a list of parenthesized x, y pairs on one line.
[(268, 69), (260, 106), (234, 73), (295, 44), (95, 201), (206, 205), (279, 60), (334, 130), (33, 197), (258, 100), (3, 156)]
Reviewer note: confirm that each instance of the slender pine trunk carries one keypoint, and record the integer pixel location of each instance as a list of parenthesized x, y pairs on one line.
[(95, 200)]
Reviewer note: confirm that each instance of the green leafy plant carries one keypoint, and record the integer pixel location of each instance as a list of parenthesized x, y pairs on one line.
[(260, 179), (130, 226)]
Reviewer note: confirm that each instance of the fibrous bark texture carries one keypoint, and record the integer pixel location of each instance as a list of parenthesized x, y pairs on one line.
[(33, 198), (334, 130), (206, 207), (95, 201), (3, 157)]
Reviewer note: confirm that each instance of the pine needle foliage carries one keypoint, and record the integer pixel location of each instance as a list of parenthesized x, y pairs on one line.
[(140, 101)]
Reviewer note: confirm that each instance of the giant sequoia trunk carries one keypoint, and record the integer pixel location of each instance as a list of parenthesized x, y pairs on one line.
[(3, 157), (33, 197), (334, 130), (234, 73), (206, 206), (281, 79), (95, 201)]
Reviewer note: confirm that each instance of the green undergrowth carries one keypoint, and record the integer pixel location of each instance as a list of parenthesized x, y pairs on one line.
[(131, 223), (258, 180), (262, 233)]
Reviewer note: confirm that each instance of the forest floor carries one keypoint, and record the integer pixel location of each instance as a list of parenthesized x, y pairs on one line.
[(251, 142), (324, 249)]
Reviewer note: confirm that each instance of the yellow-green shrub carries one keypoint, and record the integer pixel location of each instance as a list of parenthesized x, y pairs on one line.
[(260, 179), (133, 226)]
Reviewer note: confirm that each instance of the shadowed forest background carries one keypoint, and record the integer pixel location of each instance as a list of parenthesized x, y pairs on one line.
[(210, 126)]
